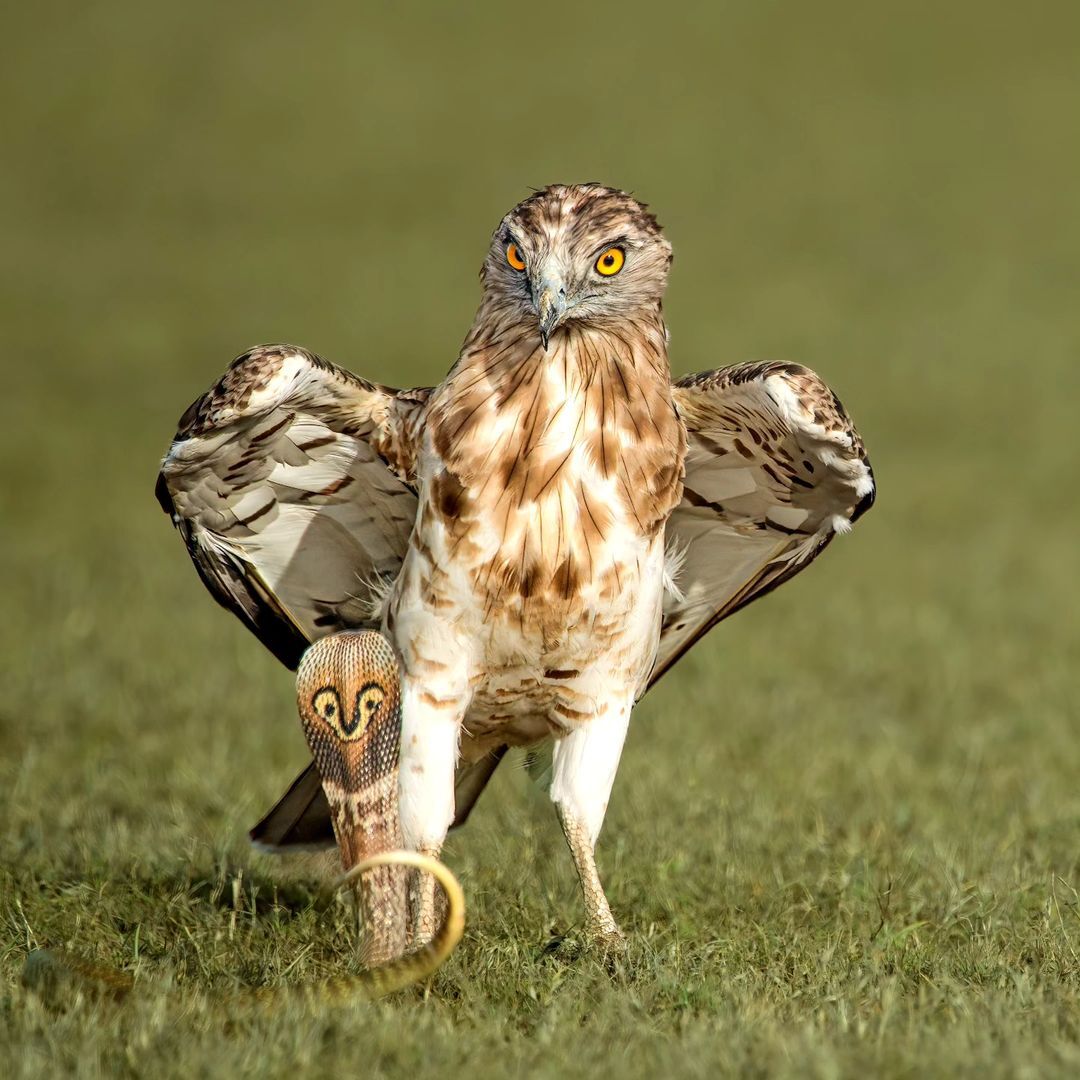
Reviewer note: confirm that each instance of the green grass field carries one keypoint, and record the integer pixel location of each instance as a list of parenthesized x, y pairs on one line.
[(845, 838)]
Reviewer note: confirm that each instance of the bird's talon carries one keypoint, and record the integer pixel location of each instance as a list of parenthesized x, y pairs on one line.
[(606, 939)]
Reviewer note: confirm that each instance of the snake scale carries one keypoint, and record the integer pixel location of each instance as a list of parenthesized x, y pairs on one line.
[(349, 699)]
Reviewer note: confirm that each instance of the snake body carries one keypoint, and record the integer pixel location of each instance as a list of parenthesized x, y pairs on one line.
[(348, 697)]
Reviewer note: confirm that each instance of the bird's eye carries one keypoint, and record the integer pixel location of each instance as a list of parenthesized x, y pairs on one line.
[(513, 257), (611, 262)]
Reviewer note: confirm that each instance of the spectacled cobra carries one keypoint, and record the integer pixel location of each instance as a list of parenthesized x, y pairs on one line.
[(349, 696)]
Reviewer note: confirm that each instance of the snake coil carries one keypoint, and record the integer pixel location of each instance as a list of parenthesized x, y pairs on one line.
[(349, 699), (48, 971)]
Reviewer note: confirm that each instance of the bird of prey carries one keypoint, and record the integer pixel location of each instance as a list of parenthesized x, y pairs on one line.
[(541, 536)]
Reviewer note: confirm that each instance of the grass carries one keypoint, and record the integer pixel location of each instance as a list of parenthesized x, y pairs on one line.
[(845, 837)]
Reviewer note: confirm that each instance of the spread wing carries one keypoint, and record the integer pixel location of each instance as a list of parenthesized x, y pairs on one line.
[(774, 470), (289, 483)]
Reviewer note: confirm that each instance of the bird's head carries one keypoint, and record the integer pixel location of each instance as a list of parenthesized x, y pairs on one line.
[(577, 252)]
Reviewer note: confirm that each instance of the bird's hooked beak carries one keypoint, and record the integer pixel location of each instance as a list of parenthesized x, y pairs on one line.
[(551, 305)]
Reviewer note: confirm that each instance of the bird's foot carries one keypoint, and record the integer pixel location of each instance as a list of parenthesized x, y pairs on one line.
[(605, 939), (603, 942)]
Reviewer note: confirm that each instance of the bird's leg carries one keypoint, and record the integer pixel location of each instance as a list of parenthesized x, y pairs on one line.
[(429, 745), (599, 919), (427, 903), (585, 762)]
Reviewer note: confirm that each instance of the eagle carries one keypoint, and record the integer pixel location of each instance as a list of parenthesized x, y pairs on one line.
[(540, 536)]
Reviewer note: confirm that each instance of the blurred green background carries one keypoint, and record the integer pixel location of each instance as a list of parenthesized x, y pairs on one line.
[(846, 830)]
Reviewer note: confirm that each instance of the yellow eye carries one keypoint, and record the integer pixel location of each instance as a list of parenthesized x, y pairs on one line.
[(513, 257), (611, 262)]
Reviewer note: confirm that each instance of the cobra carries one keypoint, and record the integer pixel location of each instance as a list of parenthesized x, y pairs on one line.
[(349, 700)]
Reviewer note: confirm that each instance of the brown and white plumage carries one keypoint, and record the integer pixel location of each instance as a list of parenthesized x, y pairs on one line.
[(541, 535), (288, 454), (774, 470)]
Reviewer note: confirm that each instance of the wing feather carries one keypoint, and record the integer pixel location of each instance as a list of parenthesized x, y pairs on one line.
[(289, 481), (774, 470)]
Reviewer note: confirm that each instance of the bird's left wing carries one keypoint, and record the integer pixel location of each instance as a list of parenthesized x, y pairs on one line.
[(774, 470), (289, 481)]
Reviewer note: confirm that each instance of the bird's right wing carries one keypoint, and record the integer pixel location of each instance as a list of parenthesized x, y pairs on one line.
[(289, 483)]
